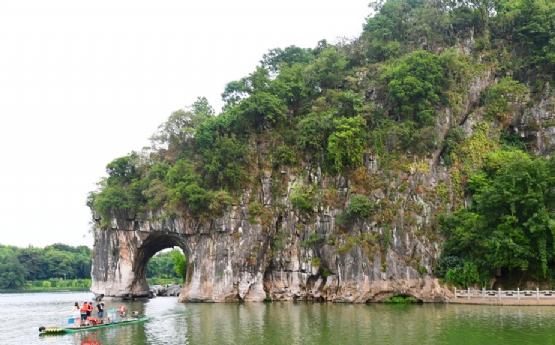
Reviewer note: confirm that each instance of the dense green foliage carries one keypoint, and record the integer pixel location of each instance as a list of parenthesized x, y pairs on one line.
[(324, 112), (57, 261), (167, 265), (414, 85), (510, 226)]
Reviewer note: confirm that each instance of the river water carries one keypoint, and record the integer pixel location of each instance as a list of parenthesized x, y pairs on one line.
[(280, 323)]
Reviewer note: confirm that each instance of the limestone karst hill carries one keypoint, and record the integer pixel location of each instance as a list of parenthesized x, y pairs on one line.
[(354, 171)]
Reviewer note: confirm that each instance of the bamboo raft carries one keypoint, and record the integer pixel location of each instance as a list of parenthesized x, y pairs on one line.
[(67, 330)]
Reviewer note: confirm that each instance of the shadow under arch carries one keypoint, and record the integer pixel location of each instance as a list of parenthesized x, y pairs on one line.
[(155, 242)]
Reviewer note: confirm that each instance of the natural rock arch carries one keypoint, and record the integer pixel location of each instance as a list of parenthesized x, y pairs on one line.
[(154, 242), (217, 268), (121, 257)]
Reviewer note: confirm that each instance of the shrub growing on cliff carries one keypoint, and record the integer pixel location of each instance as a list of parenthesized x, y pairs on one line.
[(347, 143), (255, 211), (385, 32), (499, 97), (220, 201), (359, 208), (328, 69), (454, 137), (303, 198), (184, 188), (314, 130), (284, 156)]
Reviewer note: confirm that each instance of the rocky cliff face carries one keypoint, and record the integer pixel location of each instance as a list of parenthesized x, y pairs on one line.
[(537, 123), (233, 259), (274, 251)]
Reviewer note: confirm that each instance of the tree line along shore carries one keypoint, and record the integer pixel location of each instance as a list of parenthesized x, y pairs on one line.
[(61, 267)]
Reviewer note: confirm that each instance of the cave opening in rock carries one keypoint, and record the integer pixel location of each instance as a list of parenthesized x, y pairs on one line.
[(161, 260)]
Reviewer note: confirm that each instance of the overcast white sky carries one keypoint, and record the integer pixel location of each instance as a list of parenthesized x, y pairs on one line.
[(83, 82)]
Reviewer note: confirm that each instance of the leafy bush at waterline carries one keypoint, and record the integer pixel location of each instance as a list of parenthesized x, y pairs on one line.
[(509, 227)]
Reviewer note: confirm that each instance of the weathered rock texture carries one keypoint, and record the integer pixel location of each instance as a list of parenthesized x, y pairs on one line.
[(537, 123), (231, 260)]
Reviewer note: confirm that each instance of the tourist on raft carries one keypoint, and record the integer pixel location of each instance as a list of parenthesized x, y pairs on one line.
[(122, 310), (83, 310), (90, 308), (100, 313), (76, 313)]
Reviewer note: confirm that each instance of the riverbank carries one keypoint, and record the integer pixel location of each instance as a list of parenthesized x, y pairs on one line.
[(78, 285), (47, 289), (52, 285)]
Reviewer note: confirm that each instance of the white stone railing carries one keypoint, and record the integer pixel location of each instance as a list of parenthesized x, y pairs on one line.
[(504, 294)]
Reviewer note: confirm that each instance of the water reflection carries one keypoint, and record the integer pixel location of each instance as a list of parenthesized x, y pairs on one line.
[(282, 323), (90, 340), (289, 323)]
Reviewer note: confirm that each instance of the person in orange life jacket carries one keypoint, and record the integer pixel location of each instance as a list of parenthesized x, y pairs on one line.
[(89, 308), (83, 310)]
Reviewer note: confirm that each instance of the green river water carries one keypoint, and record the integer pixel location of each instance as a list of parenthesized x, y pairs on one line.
[(281, 323)]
